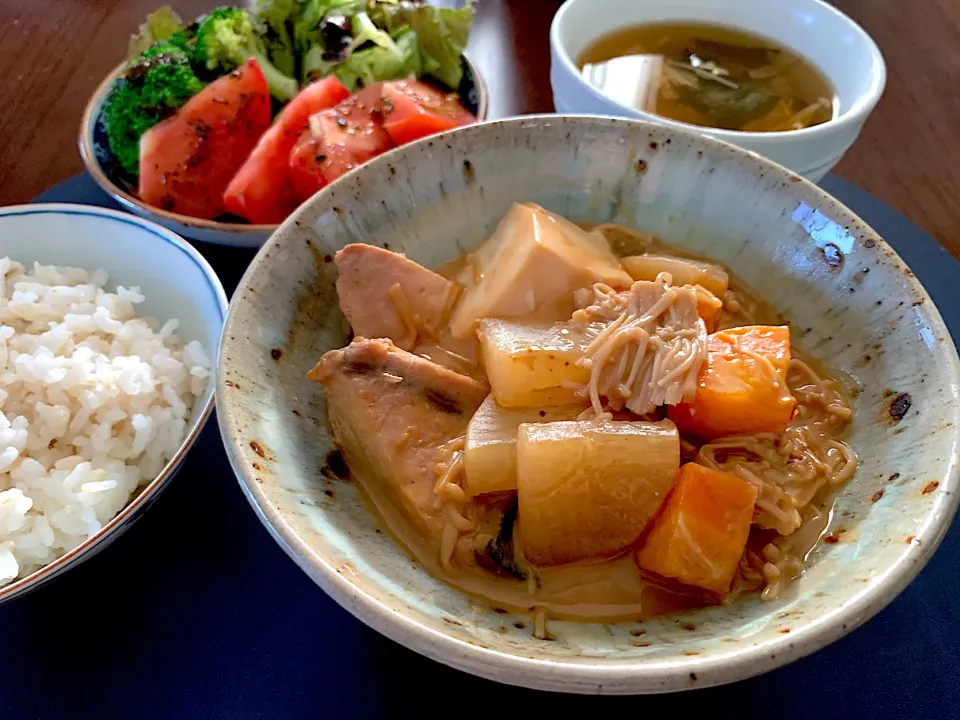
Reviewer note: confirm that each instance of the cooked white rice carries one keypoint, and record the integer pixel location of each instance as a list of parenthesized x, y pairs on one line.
[(93, 402)]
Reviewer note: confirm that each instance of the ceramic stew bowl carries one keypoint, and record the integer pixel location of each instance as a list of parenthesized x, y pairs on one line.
[(177, 282), (849, 297), (99, 163)]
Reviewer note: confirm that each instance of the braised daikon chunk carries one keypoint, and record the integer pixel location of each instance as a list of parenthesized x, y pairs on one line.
[(588, 489), (490, 458), (682, 270), (530, 364)]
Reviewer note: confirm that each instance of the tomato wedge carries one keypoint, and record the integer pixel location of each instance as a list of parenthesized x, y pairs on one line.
[(413, 109), (336, 141), (187, 161), (262, 191)]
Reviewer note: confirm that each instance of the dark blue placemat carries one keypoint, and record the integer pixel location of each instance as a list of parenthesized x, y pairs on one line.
[(197, 613)]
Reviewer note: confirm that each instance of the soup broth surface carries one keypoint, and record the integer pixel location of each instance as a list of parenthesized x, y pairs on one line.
[(711, 76), (541, 489), (605, 589)]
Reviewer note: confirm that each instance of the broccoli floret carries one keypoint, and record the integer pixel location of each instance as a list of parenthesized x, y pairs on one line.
[(227, 38), (152, 89), (186, 39)]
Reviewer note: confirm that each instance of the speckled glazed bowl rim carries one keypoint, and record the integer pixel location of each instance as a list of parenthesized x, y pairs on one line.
[(147, 492), (88, 124), (612, 677)]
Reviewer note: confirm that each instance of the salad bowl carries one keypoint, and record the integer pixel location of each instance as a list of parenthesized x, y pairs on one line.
[(226, 229)]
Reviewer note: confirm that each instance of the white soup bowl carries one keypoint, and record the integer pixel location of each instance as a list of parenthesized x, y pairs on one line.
[(820, 33)]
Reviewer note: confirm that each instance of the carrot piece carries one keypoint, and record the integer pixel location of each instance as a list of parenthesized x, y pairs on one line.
[(699, 536), (743, 385), (709, 308)]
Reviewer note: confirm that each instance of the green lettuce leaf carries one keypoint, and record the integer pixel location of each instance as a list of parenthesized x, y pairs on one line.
[(365, 31), (160, 25), (377, 63), (312, 13), (275, 19), (358, 40), (443, 35)]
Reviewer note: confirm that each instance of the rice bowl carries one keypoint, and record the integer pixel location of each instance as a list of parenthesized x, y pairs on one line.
[(102, 389), (94, 401)]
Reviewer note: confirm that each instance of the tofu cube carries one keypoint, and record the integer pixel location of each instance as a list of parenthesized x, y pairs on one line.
[(531, 267)]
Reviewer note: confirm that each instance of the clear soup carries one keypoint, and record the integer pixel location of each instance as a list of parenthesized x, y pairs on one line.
[(711, 76)]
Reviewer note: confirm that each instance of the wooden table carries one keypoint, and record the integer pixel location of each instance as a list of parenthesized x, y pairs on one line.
[(53, 54)]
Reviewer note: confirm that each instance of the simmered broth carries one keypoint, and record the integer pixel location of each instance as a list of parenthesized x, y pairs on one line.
[(710, 76), (520, 503)]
